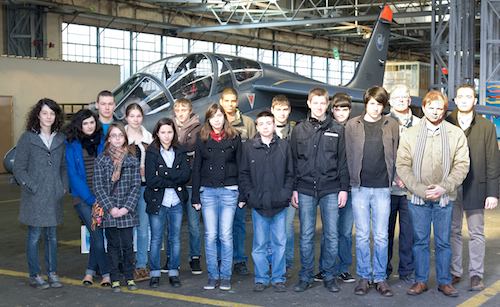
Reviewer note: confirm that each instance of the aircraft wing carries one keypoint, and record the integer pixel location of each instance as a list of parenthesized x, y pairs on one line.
[(301, 88)]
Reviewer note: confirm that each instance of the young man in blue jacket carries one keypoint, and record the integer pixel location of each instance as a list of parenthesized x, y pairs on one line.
[(266, 180)]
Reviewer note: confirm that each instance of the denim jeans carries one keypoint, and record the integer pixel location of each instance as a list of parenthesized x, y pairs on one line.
[(239, 233), (98, 260), (290, 236), (121, 250), (329, 216), (440, 217), (50, 238), (371, 206), (346, 220), (218, 206), (400, 204), (142, 233), (170, 217), (193, 219), (269, 231)]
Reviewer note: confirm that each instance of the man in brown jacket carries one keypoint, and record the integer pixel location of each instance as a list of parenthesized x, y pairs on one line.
[(432, 161), (480, 187), (371, 145)]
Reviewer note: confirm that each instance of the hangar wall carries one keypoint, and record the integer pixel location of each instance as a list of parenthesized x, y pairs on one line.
[(27, 80)]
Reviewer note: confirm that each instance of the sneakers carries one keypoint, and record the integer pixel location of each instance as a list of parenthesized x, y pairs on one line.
[(115, 286), (240, 268), (279, 287), (225, 284), (211, 284), (54, 281), (476, 283), (141, 274), (195, 265), (38, 282), (164, 269), (174, 281), (346, 277), (259, 287), (131, 285), (319, 277)]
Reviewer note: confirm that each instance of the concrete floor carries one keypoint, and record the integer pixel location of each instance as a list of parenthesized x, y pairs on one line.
[(14, 290)]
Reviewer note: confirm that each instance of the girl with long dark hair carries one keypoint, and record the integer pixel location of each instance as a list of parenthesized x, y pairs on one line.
[(84, 141)]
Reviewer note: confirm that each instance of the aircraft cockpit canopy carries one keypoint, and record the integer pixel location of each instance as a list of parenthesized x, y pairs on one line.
[(191, 76)]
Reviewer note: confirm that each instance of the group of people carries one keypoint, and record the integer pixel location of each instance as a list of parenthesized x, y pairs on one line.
[(362, 171)]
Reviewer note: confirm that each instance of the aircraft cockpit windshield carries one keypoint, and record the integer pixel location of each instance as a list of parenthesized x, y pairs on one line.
[(146, 92), (189, 77), (244, 69)]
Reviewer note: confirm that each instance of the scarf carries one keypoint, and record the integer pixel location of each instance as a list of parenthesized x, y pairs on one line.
[(91, 142), (217, 136), (418, 158), (117, 155)]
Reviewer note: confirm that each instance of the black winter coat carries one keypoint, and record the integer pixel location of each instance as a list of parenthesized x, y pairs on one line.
[(215, 164), (319, 155), (483, 177), (159, 177), (266, 175)]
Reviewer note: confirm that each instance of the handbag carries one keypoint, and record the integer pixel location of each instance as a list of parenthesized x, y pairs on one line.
[(97, 215)]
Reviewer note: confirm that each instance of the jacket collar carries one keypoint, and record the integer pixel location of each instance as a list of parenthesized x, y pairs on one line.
[(193, 121), (453, 118), (257, 141), (56, 142)]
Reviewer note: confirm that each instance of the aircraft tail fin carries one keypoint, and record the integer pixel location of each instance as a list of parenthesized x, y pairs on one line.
[(370, 71)]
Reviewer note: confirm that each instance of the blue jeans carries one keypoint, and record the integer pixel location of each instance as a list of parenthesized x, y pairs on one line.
[(346, 220), (329, 216), (218, 206), (172, 217), (371, 206), (344, 226), (405, 267), (50, 238), (440, 217), (142, 233), (269, 231), (239, 233), (193, 219), (98, 260), (290, 235)]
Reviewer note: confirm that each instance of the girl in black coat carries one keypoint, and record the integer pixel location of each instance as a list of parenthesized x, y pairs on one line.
[(167, 172)]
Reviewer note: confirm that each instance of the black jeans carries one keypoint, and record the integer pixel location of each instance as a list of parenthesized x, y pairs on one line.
[(406, 266), (121, 250)]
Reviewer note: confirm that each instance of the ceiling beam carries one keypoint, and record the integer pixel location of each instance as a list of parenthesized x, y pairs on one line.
[(301, 22)]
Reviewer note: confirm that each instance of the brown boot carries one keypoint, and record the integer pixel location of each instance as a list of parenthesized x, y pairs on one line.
[(455, 279), (384, 289), (362, 287), (448, 290), (417, 288), (476, 283)]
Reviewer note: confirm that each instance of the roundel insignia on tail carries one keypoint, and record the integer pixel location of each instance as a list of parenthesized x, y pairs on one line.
[(380, 42), (251, 99)]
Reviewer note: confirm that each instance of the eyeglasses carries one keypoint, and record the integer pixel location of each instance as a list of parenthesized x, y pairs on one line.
[(400, 97), (116, 136)]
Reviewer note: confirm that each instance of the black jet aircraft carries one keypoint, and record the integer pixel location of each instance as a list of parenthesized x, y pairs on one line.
[(201, 77)]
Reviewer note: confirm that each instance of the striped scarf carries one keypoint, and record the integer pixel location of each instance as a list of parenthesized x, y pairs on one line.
[(418, 158)]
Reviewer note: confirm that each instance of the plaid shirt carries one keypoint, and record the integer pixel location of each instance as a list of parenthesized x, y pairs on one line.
[(122, 194)]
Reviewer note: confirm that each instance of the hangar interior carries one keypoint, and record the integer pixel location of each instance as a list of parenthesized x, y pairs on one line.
[(433, 44), (69, 50)]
